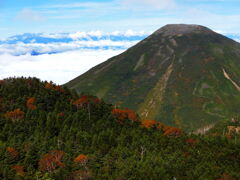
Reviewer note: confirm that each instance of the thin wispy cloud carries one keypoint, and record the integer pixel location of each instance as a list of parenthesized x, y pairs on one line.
[(148, 4), (29, 15), (110, 15)]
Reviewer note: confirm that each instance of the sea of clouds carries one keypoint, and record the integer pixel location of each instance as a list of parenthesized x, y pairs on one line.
[(60, 57)]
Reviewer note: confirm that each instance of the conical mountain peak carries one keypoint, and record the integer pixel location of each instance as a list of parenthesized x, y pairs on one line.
[(182, 75), (176, 29)]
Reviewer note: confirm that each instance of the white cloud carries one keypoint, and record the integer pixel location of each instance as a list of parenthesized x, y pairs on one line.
[(130, 33), (95, 33), (72, 59), (62, 42), (80, 5), (29, 15), (60, 68), (78, 35), (54, 35), (22, 48), (145, 4)]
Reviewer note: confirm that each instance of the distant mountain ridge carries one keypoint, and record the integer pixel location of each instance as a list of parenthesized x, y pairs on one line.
[(42, 43), (51, 43), (183, 75)]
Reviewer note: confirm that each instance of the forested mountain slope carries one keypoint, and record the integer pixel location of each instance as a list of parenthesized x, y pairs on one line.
[(48, 132)]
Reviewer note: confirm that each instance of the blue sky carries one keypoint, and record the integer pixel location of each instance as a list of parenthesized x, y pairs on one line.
[(21, 16)]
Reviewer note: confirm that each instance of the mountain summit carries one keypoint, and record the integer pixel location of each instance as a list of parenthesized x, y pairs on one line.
[(181, 75), (182, 29)]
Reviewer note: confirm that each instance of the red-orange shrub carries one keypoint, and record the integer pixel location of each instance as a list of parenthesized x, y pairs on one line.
[(225, 176), (84, 100), (19, 170), (51, 161), (191, 141), (54, 87), (31, 103), (29, 82), (17, 114), (2, 82), (148, 123), (80, 175), (12, 153), (122, 114), (61, 114), (172, 131), (82, 159)]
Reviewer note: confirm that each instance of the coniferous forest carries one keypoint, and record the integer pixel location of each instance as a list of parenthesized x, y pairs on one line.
[(49, 132)]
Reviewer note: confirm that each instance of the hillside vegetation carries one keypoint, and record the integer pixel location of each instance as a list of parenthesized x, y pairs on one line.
[(48, 132)]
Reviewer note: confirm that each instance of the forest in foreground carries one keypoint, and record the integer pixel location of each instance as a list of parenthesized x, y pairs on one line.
[(49, 132)]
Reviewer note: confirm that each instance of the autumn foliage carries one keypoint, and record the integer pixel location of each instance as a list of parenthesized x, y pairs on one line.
[(29, 82), (84, 100), (225, 176), (12, 153), (82, 159), (172, 131), (54, 87), (151, 124), (122, 114), (51, 161), (19, 170), (80, 175), (31, 103), (191, 141), (2, 82), (17, 114), (61, 114), (1, 103)]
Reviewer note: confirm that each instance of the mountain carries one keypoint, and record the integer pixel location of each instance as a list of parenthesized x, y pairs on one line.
[(49, 132), (182, 75)]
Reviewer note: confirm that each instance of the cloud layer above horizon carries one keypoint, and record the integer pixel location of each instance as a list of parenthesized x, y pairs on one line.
[(59, 68), (60, 57)]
